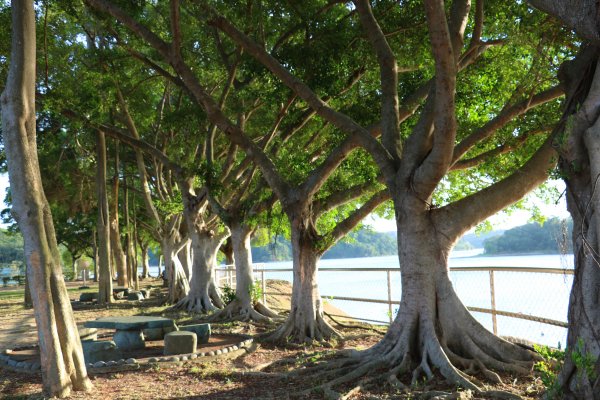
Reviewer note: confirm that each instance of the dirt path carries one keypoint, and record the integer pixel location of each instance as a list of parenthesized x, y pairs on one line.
[(229, 379)]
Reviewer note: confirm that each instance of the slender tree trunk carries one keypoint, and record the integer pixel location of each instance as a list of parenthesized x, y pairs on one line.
[(306, 320), (244, 307), (119, 258), (145, 261), (103, 270), (63, 366), (74, 267), (185, 258), (131, 264), (95, 253), (580, 165), (171, 244), (28, 302)]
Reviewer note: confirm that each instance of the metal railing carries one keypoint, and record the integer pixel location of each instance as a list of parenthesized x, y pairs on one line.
[(228, 277)]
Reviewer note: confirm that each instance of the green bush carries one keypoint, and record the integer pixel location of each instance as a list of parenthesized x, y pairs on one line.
[(549, 369), (228, 294)]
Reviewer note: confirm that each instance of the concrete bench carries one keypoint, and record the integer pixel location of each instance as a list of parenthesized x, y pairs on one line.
[(158, 333), (180, 342), (103, 350), (88, 334), (202, 331), (88, 297)]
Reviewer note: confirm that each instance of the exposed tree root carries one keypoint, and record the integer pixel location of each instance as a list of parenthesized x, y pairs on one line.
[(419, 347), (300, 329), (201, 303), (240, 311)]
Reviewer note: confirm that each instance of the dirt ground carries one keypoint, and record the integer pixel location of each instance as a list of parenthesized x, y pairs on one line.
[(230, 379)]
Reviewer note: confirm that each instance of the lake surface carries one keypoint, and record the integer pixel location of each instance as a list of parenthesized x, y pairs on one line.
[(538, 294)]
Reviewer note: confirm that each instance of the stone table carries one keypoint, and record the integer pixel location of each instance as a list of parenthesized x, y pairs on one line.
[(128, 330)]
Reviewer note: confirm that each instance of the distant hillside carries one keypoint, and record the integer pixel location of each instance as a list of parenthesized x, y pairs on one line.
[(476, 240), (553, 237), (363, 243)]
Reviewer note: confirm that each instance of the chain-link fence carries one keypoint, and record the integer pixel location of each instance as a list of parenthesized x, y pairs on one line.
[(526, 303)]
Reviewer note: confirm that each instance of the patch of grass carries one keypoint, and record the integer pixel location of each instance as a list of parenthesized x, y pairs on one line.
[(12, 294)]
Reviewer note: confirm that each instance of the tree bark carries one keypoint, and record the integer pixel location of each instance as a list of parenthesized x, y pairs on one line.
[(185, 258), (118, 255), (243, 307), (171, 243), (579, 149), (145, 261), (63, 366), (203, 295), (95, 252), (305, 322), (103, 270)]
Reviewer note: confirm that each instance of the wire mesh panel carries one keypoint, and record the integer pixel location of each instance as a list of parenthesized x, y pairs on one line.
[(499, 297)]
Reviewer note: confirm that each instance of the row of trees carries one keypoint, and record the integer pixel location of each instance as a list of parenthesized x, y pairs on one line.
[(222, 119)]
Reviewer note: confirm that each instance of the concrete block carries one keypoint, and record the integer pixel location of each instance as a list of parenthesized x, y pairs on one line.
[(180, 342)]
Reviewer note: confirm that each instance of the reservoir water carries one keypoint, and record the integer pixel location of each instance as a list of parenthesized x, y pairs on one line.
[(538, 294)]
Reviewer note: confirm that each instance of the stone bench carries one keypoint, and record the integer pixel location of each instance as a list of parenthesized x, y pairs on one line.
[(103, 350), (132, 295), (88, 334), (180, 342), (88, 297), (158, 333), (202, 331)]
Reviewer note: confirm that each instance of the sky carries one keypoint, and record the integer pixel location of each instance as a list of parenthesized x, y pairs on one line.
[(499, 221)]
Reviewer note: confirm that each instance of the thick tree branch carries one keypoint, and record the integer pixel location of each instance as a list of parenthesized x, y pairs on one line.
[(199, 94), (502, 149), (344, 227), (458, 217), (437, 162), (506, 116), (175, 27), (341, 121), (459, 16), (341, 197), (579, 15), (390, 119), (139, 158)]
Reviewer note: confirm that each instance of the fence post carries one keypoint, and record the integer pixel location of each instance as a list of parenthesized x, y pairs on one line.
[(264, 286), (493, 300), (389, 290)]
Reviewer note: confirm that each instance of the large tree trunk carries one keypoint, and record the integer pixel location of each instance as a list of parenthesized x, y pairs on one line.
[(63, 366), (243, 307), (580, 165), (204, 295), (103, 269), (433, 329), (305, 322)]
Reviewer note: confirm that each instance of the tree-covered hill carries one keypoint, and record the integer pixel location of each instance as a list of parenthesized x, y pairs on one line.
[(363, 243), (552, 237)]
